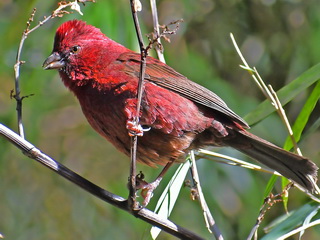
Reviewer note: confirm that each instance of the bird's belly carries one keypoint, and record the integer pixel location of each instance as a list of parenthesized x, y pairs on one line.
[(174, 126), (154, 147)]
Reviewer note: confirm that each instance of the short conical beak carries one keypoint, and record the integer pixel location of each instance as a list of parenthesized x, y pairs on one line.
[(54, 61)]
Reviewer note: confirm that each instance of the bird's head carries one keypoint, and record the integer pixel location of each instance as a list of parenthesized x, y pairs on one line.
[(77, 49)]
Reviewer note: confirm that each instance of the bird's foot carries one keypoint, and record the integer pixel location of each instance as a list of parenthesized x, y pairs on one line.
[(146, 188), (136, 129)]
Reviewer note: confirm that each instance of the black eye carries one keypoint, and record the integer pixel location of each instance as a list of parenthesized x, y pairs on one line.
[(75, 49)]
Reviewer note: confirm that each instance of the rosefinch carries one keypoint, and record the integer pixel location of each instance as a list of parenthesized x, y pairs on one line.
[(181, 114)]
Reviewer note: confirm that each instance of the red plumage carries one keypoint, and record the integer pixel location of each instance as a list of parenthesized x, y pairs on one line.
[(181, 114)]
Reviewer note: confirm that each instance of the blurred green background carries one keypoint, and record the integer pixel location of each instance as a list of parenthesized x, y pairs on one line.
[(280, 38)]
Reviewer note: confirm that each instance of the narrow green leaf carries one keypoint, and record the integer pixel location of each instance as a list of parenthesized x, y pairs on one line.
[(304, 115), (287, 223), (285, 197), (270, 185), (299, 125), (285, 94), (170, 195), (308, 219)]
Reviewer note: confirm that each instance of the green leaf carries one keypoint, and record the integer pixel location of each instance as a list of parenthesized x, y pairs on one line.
[(299, 125), (303, 117), (285, 94), (170, 195), (285, 197), (270, 185), (287, 223), (307, 221)]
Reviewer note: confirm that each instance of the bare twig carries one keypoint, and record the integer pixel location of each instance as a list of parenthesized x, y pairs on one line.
[(135, 7), (156, 29), (210, 222), (234, 161), (268, 203), (144, 214), (160, 31), (165, 30), (269, 94), (59, 12), (284, 119), (17, 76), (272, 96)]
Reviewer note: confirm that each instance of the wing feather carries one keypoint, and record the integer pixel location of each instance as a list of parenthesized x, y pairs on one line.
[(166, 77)]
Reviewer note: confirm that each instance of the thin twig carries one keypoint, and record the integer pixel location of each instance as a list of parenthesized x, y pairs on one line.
[(268, 203), (135, 7), (284, 119), (269, 94), (234, 161), (273, 98), (163, 32), (210, 222), (17, 76), (59, 12), (144, 214), (156, 30)]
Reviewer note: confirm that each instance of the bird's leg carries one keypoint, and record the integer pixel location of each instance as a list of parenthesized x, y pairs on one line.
[(148, 188), (133, 126), (136, 129)]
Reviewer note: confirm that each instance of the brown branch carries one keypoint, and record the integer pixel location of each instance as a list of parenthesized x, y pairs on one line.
[(144, 214), (135, 7)]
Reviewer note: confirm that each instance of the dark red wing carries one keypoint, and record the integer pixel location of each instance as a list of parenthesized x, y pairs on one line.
[(166, 77)]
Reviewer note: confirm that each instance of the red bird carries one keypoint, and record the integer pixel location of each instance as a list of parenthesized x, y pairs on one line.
[(180, 114)]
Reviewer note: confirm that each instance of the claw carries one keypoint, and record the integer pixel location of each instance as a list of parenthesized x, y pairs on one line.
[(146, 188), (136, 129), (147, 192)]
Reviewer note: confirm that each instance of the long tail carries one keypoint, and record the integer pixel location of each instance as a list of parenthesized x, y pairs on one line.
[(294, 167)]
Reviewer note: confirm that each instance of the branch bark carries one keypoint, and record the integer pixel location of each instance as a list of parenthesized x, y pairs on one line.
[(144, 214), (135, 7)]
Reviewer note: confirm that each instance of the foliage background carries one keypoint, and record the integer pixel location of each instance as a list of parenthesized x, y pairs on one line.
[(280, 38)]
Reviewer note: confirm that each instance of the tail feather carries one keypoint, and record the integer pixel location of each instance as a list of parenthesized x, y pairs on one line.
[(294, 167)]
